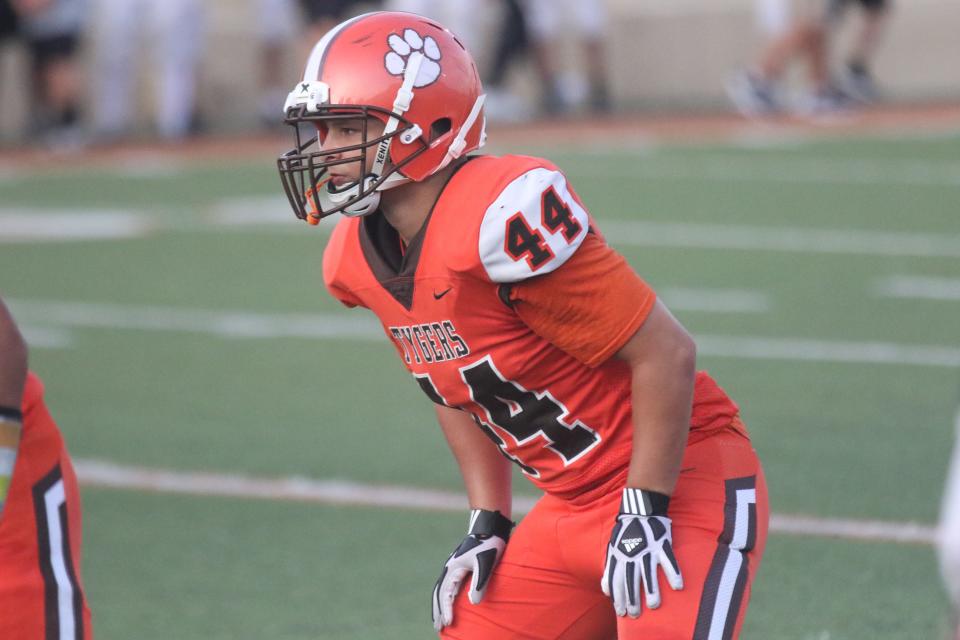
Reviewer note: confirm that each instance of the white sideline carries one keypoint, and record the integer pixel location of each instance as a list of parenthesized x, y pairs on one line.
[(98, 473), (40, 314), (271, 213), (241, 213)]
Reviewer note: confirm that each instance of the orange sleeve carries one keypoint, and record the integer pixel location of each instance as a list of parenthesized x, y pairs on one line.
[(590, 306)]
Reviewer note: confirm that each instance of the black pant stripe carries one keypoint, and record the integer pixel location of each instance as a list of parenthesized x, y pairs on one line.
[(731, 552)]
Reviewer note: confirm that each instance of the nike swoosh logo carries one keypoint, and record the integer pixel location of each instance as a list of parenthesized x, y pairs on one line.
[(437, 296), (687, 469)]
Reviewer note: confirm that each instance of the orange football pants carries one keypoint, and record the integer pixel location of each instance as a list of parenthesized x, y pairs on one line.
[(547, 586), (41, 594)]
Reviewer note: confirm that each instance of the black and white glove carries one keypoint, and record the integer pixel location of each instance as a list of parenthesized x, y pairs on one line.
[(478, 553), (639, 544)]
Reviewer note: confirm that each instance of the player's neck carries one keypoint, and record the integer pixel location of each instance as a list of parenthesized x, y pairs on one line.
[(407, 206)]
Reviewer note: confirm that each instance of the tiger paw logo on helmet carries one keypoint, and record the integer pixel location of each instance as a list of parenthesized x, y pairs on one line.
[(401, 50)]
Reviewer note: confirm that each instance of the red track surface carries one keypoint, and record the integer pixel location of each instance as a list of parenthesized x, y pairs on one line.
[(616, 131)]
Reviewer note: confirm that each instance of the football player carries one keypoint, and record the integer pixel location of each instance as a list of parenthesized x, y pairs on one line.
[(949, 546), (539, 347), (41, 594)]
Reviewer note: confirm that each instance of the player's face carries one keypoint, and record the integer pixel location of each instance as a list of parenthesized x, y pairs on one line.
[(346, 133)]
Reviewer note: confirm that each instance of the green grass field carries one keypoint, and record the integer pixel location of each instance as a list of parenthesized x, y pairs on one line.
[(819, 276)]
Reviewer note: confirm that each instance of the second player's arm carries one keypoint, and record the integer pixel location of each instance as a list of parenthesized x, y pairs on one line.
[(662, 360), (486, 472)]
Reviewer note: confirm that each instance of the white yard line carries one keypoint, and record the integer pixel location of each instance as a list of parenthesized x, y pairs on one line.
[(41, 314), (837, 351), (30, 225), (220, 323), (97, 473), (42, 338), (782, 239), (919, 288), (781, 168), (274, 212), (715, 300)]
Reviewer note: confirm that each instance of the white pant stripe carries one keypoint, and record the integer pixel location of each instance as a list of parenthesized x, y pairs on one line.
[(53, 499), (723, 592)]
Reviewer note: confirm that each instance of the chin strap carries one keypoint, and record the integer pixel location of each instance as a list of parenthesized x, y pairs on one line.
[(401, 104), (460, 142)]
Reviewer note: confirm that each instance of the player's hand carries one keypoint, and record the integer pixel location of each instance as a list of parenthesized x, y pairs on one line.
[(478, 554), (640, 544)]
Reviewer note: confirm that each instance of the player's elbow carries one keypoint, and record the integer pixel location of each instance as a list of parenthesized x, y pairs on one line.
[(684, 354)]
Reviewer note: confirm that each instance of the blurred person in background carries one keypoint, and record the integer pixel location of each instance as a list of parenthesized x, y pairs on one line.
[(41, 592), (564, 89), (276, 24), (51, 30), (806, 36), (323, 15), (856, 77), (949, 544), (542, 28), (510, 42), (166, 34)]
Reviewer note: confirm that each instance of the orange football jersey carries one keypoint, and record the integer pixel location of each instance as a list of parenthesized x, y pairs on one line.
[(446, 303), (41, 593)]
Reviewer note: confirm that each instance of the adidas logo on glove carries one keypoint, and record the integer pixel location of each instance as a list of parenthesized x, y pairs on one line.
[(629, 544)]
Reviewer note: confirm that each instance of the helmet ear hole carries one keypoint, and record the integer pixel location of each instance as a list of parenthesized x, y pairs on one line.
[(439, 127)]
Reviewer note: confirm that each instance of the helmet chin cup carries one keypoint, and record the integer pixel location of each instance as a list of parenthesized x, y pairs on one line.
[(360, 205)]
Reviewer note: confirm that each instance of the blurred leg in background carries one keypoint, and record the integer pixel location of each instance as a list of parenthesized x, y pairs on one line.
[(52, 32), (564, 88), (162, 39), (276, 28), (178, 31), (756, 91), (510, 43), (117, 58), (856, 76)]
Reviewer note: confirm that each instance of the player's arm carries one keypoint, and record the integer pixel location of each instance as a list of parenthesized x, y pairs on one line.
[(486, 472), (595, 308), (487, 478), (662, 360), (13, 374)]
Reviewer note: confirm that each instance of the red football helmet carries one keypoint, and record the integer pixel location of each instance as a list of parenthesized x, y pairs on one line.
[(405, 70)]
